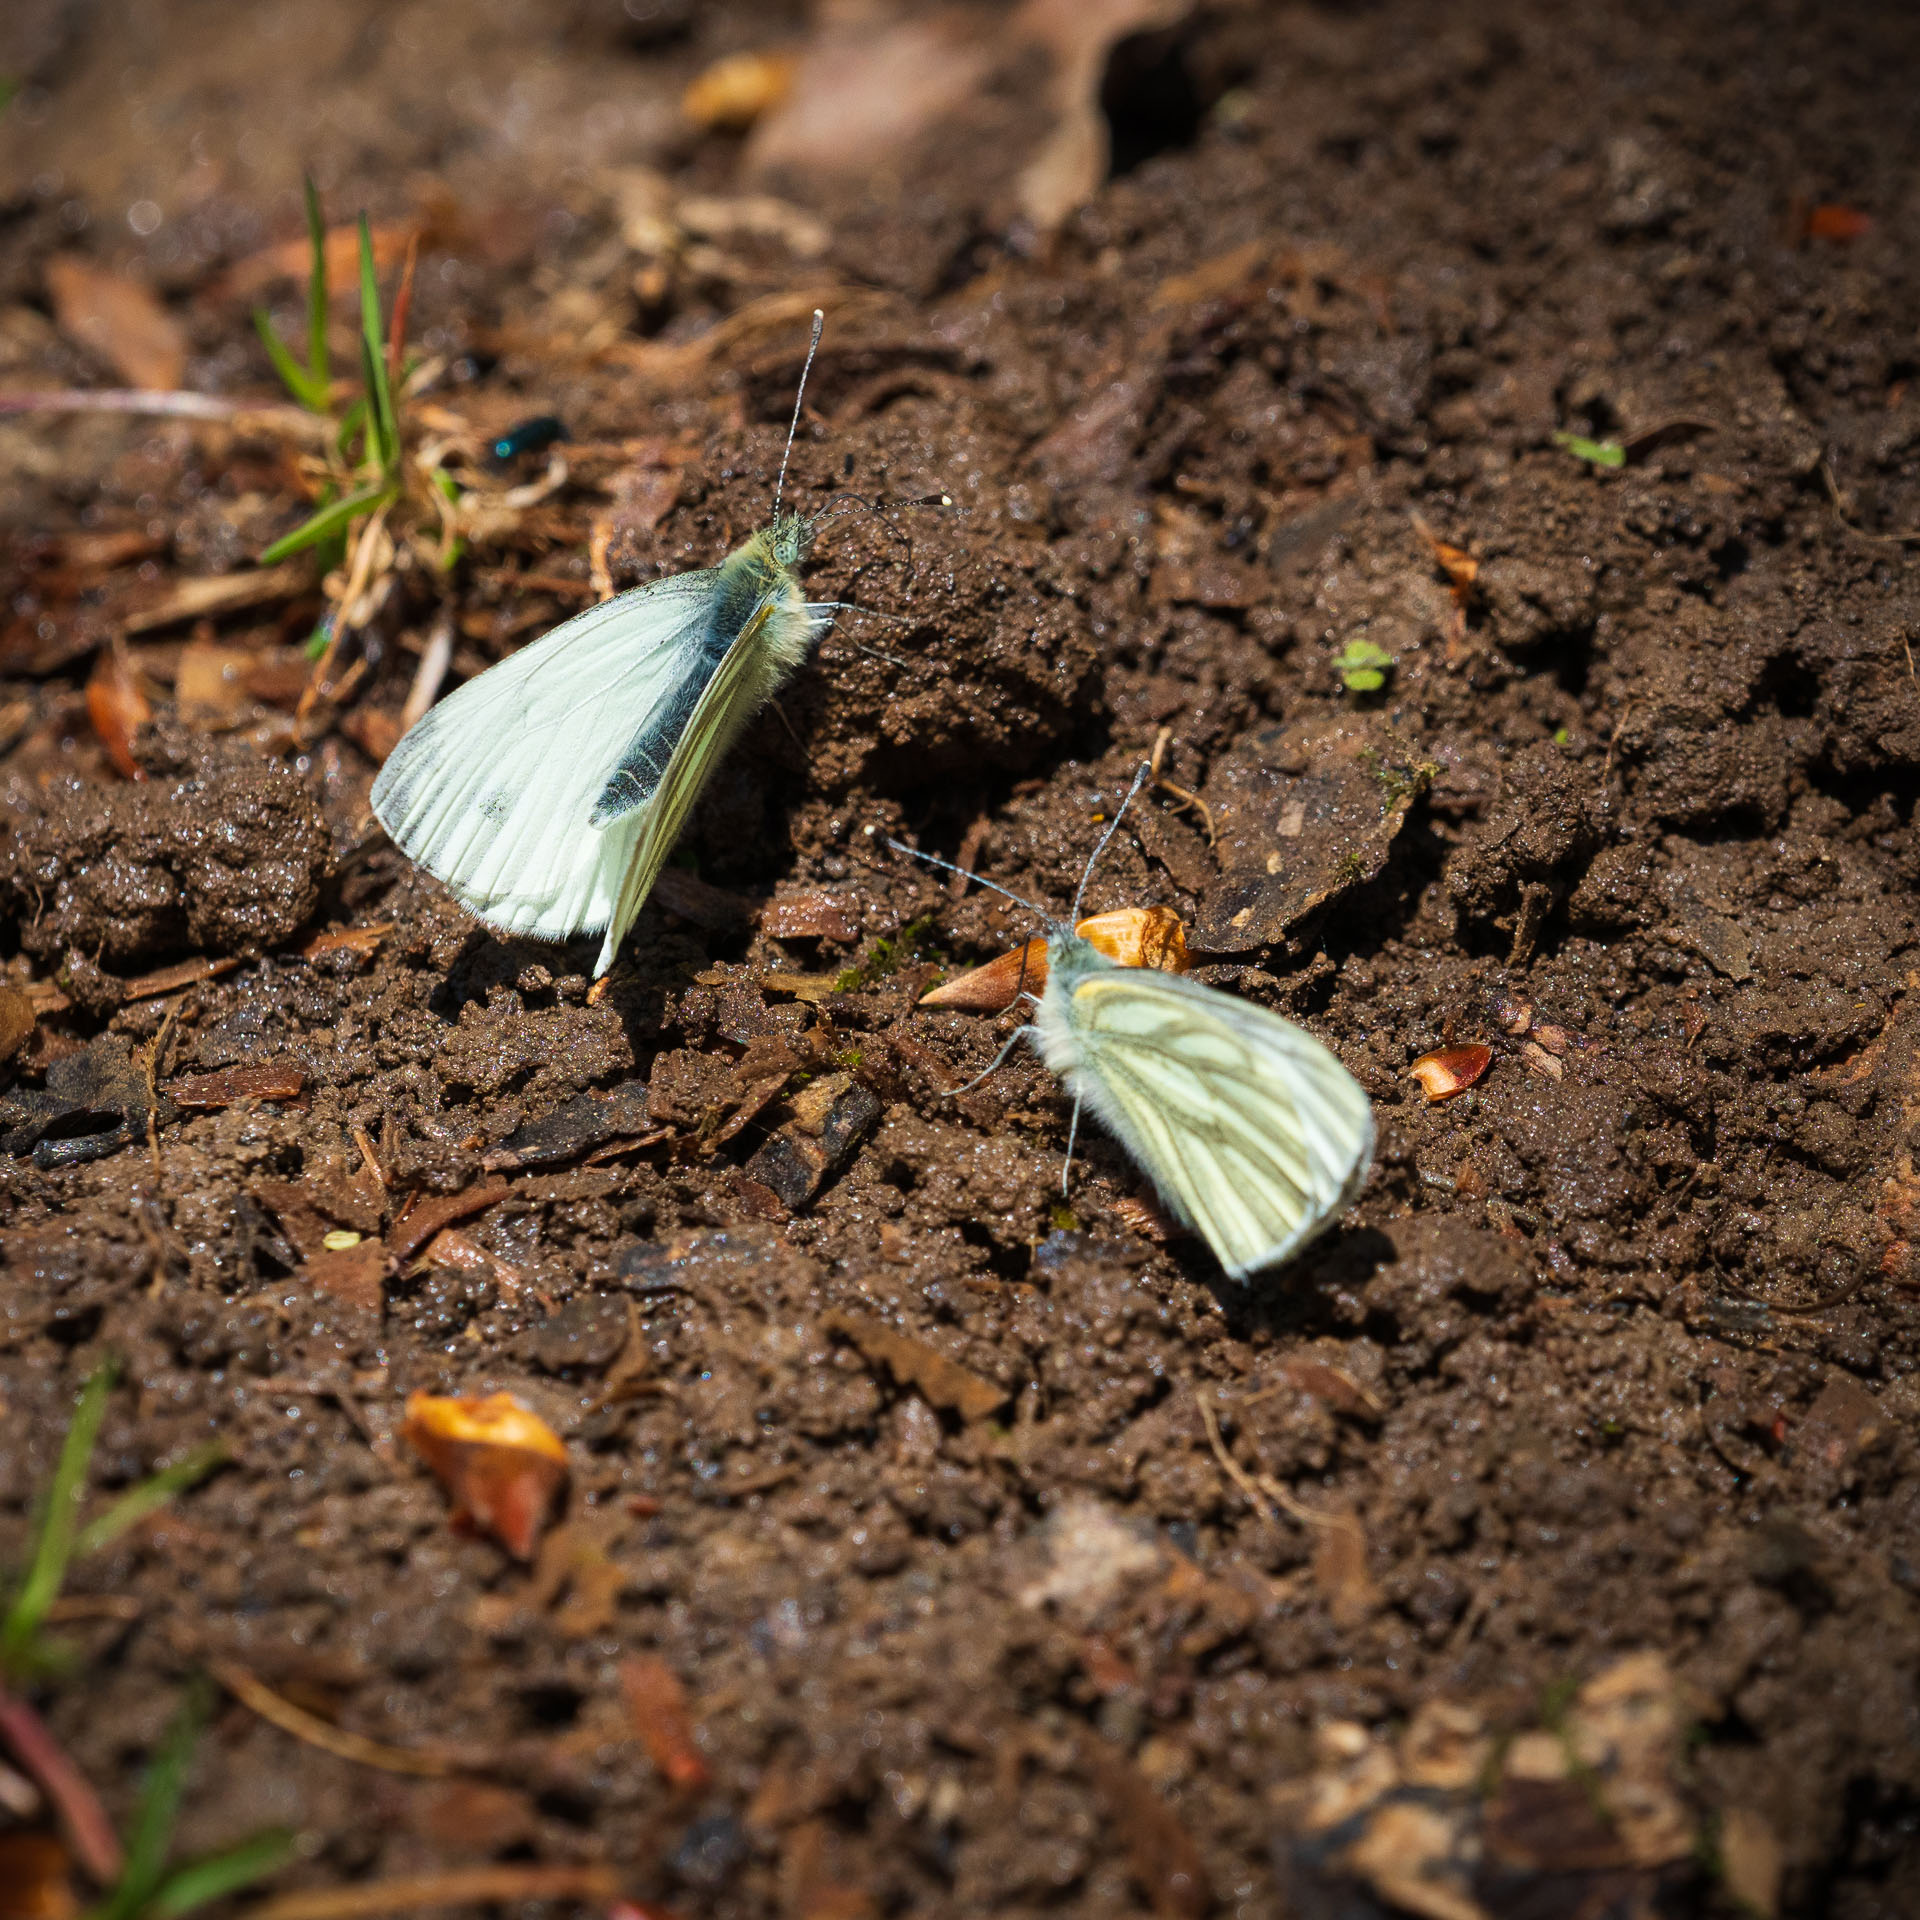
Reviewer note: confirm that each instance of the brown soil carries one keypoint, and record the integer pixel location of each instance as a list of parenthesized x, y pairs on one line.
[(1616, 1354)]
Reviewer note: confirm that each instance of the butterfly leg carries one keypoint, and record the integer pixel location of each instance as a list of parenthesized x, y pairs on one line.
[(1073, 1130), (999, 1061)]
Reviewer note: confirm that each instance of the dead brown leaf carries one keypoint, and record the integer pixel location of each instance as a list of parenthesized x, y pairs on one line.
[(16, 1022), (118, 319), (118, 709), (1079, 34)]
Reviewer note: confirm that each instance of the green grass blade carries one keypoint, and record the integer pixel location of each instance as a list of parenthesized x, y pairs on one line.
[(149, 1496), (221, 1874), (53, 1547), (317, 370), (154, 1818), (331, 519), (373, 348), (293, 376)]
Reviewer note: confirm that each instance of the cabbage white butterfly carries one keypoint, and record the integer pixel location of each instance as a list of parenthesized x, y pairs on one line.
[(547, 792), (1254, 1134)]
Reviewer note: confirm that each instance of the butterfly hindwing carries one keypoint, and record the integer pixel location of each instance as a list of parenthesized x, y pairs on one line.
[(1250, 1127)]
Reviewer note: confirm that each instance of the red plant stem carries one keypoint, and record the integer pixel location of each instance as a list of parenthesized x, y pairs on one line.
[(81, 1813)]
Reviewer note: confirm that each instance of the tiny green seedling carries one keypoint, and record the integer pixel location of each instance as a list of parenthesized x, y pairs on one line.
[(146, 1890), (366, 475), (1598, 453), (1363, 666), (59, 1539)]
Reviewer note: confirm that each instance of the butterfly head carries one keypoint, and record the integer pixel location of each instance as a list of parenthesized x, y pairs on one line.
[(792, 537)]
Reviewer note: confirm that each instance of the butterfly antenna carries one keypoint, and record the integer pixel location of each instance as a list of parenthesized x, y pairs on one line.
[(934, 860), (793, 427), (1139, 780)]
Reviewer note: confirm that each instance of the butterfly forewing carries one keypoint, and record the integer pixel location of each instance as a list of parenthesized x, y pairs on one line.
[(1250, 1127), (490, 792)]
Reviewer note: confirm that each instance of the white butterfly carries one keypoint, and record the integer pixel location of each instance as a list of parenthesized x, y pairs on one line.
[(548, 791), (1254, 1134)]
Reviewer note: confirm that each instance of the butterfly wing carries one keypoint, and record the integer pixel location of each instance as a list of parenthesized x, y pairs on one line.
[(771, 641), (1250, 1128), (492, 791)]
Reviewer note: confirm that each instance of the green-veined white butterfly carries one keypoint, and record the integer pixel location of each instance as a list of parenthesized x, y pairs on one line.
[(1254, 1134), (548, 791)]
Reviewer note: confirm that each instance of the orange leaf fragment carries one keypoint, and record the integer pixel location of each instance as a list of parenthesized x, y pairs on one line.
[(994, 987), (118, 710), (661, 1717), (1835, 222), (1132, 936), (364, 941), (733, 93), (1450, 1070), (498, 1460), (1139, 937)]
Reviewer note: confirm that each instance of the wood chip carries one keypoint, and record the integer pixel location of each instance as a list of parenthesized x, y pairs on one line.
[(946, 1383), (810, 916), (406, 1237), (279, 1080)]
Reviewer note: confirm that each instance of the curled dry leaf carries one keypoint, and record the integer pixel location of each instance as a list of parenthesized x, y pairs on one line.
[(733, 93), (499, 1461), (1131, 936), (1450, 1070), (657, 1703)]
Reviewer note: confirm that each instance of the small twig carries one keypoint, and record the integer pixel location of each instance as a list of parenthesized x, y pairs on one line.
[(434, 661), (82, 1815), (316, 1732), (470, 1886), (368, 1157), (1193, 800)]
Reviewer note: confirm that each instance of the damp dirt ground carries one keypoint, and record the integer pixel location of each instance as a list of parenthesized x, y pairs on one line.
[(1547, 1540)]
